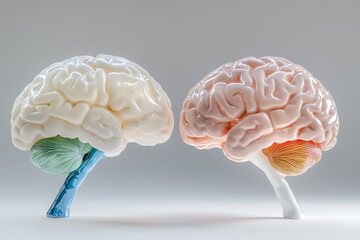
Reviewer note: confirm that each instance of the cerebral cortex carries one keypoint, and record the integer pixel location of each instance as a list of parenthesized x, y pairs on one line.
[(245, 106), (105, 101)]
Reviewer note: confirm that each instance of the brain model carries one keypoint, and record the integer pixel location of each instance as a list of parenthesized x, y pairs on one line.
[(105, 101), (76, 111), (262, 108)]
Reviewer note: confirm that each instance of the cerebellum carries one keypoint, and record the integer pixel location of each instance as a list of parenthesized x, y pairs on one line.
[(58, 155), (293, 157)]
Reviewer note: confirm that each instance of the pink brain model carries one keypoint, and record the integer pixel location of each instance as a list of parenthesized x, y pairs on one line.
[(257, 104), (248, 105)]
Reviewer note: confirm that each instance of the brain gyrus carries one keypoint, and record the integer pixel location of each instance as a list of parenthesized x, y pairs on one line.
[(246, 106), (105, 101)]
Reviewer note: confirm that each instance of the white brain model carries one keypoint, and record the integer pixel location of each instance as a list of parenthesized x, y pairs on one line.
[(245, 106), (105, 101)]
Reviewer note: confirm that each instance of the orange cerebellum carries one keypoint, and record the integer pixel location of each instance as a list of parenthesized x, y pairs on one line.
[(293, 157)]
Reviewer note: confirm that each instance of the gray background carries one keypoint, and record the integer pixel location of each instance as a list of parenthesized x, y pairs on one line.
[(178, 43)]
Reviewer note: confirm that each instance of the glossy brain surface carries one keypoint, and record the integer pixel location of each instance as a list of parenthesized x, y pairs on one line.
[(105, 101), (245, 106)]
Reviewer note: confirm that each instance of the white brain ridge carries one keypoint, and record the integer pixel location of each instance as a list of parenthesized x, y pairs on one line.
[(245, 106), (105, 101)]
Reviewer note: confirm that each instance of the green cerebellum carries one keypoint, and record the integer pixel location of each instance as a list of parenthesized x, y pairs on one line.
[(58, 155)]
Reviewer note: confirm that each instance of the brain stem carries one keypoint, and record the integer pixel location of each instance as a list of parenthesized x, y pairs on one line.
[(62, 203), (291, 208)]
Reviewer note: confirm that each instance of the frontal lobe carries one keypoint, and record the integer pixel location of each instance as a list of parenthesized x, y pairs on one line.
[(81, 98), (245, 106)]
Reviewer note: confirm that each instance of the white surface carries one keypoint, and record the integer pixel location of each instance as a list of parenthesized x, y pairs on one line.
[(123, 220)]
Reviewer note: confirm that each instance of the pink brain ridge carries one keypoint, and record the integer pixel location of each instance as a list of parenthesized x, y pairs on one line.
[(245, 106)]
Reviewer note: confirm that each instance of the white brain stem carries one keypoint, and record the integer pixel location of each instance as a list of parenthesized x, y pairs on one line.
[(105, 101), (245, 106)]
